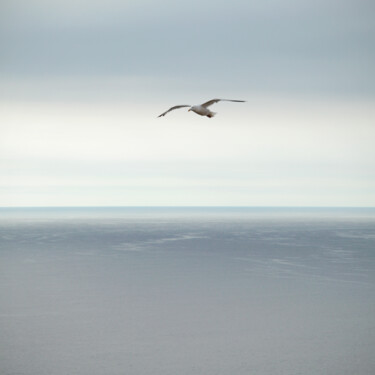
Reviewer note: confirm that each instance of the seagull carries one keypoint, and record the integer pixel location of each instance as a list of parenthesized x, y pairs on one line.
[(201, 109)]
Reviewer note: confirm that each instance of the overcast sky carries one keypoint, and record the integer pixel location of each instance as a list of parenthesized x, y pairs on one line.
[(82, 83)]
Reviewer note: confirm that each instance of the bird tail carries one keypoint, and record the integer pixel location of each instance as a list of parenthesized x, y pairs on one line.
[(211, 114)]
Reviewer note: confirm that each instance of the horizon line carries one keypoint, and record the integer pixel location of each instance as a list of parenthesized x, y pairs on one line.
[(182, 206)]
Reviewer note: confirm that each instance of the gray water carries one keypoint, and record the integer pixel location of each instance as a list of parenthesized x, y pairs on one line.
[(187, 291)]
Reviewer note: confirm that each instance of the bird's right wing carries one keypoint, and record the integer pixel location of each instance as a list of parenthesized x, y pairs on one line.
[(173, 108), (213, 101)]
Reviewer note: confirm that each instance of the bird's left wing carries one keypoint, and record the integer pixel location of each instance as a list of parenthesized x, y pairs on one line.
[(173, 108), (213, 101)]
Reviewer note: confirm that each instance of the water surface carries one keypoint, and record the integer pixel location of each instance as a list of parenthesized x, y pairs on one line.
[(187, 291)]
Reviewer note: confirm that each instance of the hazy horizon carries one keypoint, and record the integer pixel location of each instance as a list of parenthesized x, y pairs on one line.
[(208, 207)]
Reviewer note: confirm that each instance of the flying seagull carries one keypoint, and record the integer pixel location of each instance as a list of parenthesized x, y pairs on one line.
[(201, 109)]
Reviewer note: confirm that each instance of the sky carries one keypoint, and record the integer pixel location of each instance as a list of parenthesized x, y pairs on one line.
[(82, 83)]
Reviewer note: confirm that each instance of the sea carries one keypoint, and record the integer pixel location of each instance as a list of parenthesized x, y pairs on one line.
[(183, 291)]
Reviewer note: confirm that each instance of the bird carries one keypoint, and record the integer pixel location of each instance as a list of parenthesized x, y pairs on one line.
[(201, 109)]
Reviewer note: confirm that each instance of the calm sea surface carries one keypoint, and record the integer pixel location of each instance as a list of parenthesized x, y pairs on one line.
[(167, 291)]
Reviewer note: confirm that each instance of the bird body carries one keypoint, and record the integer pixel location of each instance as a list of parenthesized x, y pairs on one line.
[(201, 109)]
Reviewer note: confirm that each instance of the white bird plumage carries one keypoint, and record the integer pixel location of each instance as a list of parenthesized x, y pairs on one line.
[(201, 109)]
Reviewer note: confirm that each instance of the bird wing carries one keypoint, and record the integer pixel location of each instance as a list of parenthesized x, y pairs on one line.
[(173, 108), (213, 101)]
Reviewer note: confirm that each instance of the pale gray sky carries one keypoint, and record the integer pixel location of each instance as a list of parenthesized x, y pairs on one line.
[(83, 81)]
